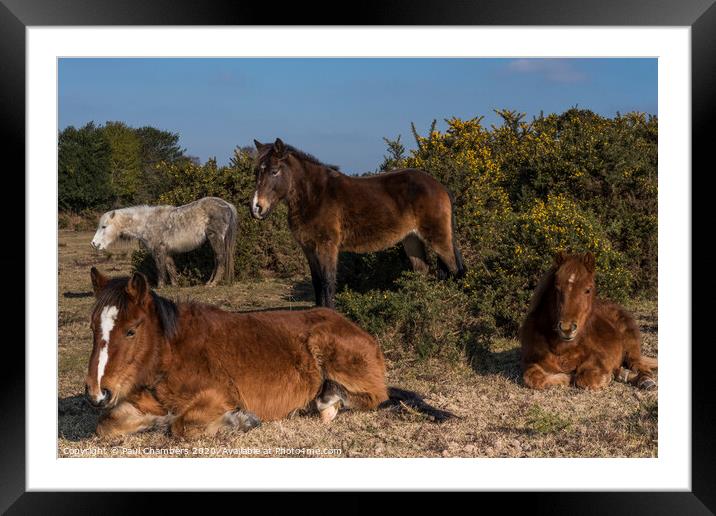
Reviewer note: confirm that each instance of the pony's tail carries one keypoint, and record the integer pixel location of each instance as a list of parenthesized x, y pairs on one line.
[(399, 398), (461, 269), (230, 244)]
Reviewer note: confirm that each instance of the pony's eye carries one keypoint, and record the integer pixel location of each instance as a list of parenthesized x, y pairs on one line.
[(104, 227), (275, 171), (130, 333), (588, 291)]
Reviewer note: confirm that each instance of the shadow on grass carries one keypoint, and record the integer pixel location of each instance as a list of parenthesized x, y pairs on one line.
[(76, 419), (287, 308), (649, 323), (72, 295), (301, 291), (194, 267), (485, 360)]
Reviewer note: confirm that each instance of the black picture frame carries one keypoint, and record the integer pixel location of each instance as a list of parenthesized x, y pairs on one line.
[(700, 15)]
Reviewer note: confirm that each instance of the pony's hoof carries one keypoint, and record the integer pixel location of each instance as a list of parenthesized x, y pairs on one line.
[(647, 384), (624, 375), (243, 420), (329, 414)]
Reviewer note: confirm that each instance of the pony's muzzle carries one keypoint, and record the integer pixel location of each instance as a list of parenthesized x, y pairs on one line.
[(259, 210), (98, 402), (567, 331)]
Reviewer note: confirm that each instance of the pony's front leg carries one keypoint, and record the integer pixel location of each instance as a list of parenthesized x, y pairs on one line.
[(536, 377), (328, 263), (592, 375), (323, 262), (209, 412), (315, 268), (141, 413)]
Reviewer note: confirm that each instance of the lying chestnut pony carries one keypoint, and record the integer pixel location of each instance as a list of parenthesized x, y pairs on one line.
[(194, 368), (571, 336)]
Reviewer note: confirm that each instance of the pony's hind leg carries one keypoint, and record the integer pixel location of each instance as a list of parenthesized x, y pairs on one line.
[(217, 244), (441, 242), (639, 369), (638, 374), (330, 399), (415, 249), (172, 271), (333, 396)]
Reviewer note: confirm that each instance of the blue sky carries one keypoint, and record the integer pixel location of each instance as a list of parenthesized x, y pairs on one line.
[(337, 109)]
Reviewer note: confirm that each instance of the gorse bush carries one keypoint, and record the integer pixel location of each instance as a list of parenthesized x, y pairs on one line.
[(523, 191), (421, 316)]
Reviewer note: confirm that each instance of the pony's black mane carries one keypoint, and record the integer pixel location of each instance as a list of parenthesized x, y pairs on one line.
[(115, 294), (305, 156)]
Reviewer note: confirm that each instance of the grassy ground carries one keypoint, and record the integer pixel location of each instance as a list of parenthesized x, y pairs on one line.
[(498, 416)]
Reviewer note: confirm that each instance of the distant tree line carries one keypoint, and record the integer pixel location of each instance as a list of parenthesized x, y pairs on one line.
[(104, 166)]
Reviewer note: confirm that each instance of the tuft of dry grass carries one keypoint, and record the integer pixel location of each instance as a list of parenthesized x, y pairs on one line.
[(498, 417)]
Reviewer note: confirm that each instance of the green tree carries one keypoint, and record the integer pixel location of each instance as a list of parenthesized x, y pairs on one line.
[(156, 147), (125, 162), (83, 169)]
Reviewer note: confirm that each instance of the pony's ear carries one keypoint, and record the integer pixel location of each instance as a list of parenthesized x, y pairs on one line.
[(560, 257), (112, 215), (589, 261), (138, 288), (279, 148), (258, 145), (99, 281)]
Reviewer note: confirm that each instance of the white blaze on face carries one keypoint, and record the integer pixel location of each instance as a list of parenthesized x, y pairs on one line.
[(108, 316), (571, 278), (255, 203)]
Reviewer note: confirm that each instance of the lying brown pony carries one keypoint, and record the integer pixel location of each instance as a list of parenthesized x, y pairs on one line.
[(195, 369), (570, 335)]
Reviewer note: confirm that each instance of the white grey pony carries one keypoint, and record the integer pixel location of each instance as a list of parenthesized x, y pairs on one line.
[(168, 230)]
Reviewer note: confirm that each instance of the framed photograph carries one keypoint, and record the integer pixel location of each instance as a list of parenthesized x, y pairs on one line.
[(434, 250)]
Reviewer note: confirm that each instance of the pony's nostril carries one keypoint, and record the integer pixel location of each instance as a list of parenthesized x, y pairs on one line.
[(574, 327)]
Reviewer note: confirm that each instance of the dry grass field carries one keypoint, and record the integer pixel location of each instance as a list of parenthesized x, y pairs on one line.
[(498, 417)]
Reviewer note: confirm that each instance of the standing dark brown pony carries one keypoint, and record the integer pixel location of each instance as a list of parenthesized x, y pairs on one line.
[(195, 369), (571, 336), (329, 212)]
